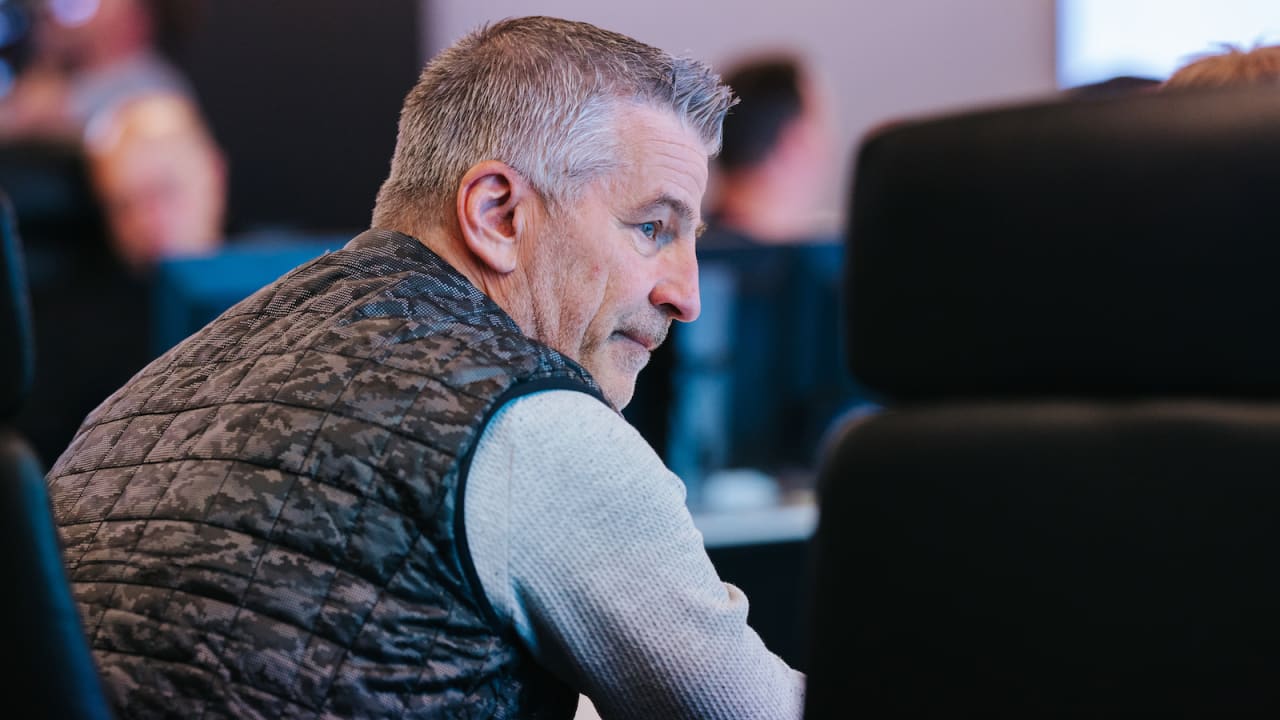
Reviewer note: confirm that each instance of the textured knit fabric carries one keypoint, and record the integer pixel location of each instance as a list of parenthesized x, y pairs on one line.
[(603, 573), (262, 523)]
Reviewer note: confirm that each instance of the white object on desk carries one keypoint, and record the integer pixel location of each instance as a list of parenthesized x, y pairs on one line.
[(781, 523)]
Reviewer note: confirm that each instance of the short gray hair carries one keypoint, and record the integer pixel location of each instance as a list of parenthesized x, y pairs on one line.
[(539, 94)]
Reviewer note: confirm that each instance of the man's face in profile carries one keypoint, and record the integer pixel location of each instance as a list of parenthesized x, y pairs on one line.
[(616, 267)]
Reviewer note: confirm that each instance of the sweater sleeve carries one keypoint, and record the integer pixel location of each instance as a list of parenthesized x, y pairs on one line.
[(582, 541)]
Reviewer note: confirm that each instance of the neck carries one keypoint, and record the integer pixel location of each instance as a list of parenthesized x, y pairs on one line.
[(504, 290)]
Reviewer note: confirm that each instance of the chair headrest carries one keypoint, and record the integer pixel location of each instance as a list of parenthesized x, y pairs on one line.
[(48, 184), (17, 355), (1123, 246)]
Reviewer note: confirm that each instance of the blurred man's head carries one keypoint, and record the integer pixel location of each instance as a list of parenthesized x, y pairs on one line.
[(771, 98), (160, 178), (776, 161), (1231, 66)]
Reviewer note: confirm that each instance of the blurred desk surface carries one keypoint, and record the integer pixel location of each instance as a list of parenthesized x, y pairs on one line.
[(756, 526)]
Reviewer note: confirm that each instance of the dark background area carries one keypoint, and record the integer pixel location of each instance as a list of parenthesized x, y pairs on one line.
[(304, 97)]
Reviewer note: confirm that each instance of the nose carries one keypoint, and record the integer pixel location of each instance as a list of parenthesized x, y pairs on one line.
[(676, 292)]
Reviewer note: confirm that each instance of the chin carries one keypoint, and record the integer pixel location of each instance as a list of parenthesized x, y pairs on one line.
[(615, 372), (618, 391), (621, 403)]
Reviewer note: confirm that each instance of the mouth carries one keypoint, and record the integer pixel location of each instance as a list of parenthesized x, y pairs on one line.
[(648, 343), (641, 333)]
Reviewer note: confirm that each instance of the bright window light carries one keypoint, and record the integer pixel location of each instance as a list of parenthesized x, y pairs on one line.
[(1102, 39)]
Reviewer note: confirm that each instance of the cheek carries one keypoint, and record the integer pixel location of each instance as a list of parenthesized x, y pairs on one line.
[(593, 312), (595, 303)]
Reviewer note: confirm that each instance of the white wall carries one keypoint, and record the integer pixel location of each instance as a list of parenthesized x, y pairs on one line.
[(882, 58)]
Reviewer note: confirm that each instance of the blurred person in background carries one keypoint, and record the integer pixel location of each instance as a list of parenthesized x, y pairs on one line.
[(160, 177), (96, 80), (779, 158), (86, 56)]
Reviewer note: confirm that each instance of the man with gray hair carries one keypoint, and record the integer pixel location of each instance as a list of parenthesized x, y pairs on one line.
[(395, 483)]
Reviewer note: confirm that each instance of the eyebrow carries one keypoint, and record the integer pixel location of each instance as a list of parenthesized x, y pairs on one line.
[(676, 205)]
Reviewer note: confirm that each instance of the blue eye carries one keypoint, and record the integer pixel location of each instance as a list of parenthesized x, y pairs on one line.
[(649, 229)]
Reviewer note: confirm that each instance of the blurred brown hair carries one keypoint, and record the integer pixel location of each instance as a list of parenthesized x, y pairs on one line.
[(1231, 66)]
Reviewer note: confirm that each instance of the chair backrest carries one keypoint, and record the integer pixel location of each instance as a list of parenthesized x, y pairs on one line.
[(48, 668), (1067, 506), (17, 352), (80, 292)]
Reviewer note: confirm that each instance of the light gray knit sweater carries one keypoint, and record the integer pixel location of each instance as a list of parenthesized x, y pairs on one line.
[(582, 540)]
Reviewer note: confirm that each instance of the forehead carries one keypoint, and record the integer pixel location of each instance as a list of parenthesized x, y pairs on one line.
[(658, 156)]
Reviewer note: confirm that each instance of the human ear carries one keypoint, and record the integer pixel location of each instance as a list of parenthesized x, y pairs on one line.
[(490, 197)]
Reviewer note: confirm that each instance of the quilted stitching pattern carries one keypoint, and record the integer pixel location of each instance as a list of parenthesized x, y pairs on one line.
[(261, 522)]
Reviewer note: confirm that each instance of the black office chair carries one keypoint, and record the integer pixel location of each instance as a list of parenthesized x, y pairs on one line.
[(79, 291), (48, 670), (1072, 505)]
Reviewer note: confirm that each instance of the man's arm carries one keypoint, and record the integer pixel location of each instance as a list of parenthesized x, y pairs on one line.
[(582, 541)]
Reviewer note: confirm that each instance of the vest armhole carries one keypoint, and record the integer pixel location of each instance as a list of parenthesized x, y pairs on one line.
[(464, 470)]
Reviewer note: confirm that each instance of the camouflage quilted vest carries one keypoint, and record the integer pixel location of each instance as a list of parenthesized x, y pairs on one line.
[(266, 521)]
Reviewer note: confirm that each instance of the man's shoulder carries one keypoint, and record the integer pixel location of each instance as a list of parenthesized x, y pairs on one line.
[(562, 416)]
